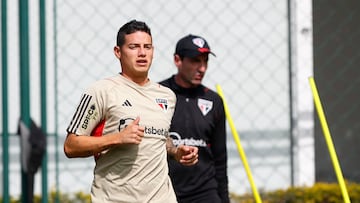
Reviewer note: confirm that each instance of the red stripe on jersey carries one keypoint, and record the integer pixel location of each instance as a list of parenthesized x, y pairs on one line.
[(97, 132)]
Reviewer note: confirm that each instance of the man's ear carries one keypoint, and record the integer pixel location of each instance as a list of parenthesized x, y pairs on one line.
[(177, 60), (117, 52)]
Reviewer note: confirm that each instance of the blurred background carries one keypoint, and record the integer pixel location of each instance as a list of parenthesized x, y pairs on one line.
[(266, 51)]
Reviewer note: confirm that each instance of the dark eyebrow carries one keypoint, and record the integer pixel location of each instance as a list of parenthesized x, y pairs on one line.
[(139, 44)]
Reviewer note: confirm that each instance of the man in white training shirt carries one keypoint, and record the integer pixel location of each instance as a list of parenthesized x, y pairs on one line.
[(123, 121)]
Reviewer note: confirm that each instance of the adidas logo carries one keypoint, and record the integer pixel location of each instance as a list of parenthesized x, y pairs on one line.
[(126, 103)]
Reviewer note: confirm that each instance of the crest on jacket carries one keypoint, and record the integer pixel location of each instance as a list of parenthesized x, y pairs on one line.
[(205, 106)]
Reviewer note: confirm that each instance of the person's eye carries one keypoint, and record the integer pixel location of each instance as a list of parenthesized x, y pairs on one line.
[(194, 60), (134, 46), (148, 46)]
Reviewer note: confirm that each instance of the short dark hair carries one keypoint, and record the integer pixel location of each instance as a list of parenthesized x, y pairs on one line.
[(129, 28)]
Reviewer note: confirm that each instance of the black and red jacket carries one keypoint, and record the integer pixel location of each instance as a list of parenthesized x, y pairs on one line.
[(199, 120)]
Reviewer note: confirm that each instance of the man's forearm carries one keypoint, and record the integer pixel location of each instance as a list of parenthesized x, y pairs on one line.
[(170, 147)]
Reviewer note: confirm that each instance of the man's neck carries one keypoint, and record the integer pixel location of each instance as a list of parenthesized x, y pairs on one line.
[(179, 81), (140, 80)]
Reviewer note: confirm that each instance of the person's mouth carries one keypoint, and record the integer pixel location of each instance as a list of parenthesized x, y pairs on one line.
[(142, 62), (198, 77)]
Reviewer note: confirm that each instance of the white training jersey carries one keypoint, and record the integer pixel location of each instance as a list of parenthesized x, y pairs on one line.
[(129, 173)]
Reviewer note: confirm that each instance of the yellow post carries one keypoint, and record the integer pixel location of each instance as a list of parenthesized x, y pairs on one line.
[(329, 142), (240, 149)]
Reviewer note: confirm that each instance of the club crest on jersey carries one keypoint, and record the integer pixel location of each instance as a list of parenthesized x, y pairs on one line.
[(163, 103), (205, 106)]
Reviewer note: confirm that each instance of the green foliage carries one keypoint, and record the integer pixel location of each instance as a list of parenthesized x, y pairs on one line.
[(318, 193), (79, 197)]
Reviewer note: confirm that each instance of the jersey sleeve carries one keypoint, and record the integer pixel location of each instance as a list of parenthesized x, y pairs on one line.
[(88, 113)]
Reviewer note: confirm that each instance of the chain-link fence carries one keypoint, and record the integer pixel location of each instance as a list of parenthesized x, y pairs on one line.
[(258, 45)]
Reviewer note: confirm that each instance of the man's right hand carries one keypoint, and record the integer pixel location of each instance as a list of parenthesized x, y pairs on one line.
[(132, 133)]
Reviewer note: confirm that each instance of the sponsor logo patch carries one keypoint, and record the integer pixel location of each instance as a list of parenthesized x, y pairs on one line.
[(125, 122), (91, 114), (126, 103), (177, 140), (150, 130)]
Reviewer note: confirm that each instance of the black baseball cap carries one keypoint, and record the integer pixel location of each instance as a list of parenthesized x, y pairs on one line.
[(191, 46)]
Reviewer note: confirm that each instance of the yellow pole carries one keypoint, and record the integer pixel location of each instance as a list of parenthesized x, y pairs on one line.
[(329, 142), (240, 149)]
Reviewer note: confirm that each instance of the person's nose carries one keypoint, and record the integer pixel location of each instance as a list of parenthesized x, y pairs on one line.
[(142, 51), (203, 67)]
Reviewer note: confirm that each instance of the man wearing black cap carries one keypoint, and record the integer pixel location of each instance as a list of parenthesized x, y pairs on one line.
[(199, 120)]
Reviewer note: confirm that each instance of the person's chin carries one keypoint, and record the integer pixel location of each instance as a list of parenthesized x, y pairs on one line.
[(142, 69), (196, 82)]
